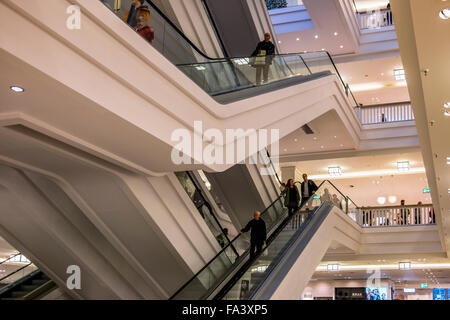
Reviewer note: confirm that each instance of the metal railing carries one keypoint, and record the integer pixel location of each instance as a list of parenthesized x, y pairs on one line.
[(385, 113), (375, 19), (396, 216)]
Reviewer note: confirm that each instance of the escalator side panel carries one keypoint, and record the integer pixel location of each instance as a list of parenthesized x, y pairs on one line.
[(286, 262)]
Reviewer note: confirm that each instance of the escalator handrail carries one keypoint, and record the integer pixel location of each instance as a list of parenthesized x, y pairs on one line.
[(346, 197), (13, 256), (218, 254), (182, 35), (223, 250), (238, 275), (288, 246), (14, 272)]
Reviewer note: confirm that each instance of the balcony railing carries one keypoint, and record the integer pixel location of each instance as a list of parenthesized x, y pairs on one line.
[(375, 19), (400, 216), (385, 113)]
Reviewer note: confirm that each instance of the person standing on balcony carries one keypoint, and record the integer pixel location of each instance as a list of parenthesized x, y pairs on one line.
[(389, 15), (309, 188), (263, 56), (291, 197), (257, 235)]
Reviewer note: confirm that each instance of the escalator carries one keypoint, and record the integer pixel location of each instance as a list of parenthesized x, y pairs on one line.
[(230, 79), (24, 281), (232, 277)]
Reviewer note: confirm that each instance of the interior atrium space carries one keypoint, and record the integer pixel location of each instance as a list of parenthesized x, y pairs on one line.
[(246, 151)]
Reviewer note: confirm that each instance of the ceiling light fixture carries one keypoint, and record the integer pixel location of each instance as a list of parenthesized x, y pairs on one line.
[(298, 39), (17, 89), (342, 47), (403, 166), (448, 160), (447, 113), (336, 33), (404, 265), (447, 105), (444, 14), (399, 74), (333, 267), (335, 171), (316, 36), (392, 199), (381, 200)]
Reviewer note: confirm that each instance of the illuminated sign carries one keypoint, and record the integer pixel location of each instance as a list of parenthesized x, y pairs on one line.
[(425, 190)]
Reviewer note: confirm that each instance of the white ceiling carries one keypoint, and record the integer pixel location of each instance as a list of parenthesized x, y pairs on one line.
[(327, 20), (367, 189), (366, 5), (373, 82), (329, 133)]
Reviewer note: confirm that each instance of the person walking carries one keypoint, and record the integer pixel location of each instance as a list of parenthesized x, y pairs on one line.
[(263, 58), (291, 197), (309, 188), (257, 235)]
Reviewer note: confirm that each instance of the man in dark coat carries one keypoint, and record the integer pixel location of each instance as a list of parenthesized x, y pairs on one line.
[(267, 49), (309, 188), (257, 235)]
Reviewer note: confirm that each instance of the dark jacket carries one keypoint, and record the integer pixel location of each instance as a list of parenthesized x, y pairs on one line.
[(269, 47), (311, 187), (258, 230), (287, 197)]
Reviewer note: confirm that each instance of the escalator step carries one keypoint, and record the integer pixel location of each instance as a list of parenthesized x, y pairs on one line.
[(29, 287), (39, 282), (18, 294)]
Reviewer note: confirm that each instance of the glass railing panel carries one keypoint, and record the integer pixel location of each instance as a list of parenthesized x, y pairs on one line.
[(262, 265), (219, 268), (162, 35), (18, 274), (216, 75)]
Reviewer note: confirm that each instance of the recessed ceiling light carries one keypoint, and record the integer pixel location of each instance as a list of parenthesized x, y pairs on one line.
[(392, 199), (341, 46), (381, 200), (316, 36), (323, 49), (403, 166), (447, 113), (336, 33), (448, 160), (298, 39), (447, 105), (279, 41), (321, 147), (445, 14), (17, 89), (399, 74), (305, 51), (335, 171), (295, 139)]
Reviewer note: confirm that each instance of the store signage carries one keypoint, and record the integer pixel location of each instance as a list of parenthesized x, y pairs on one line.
[(409, 290)]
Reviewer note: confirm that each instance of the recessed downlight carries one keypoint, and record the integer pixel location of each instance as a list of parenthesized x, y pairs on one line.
[(298, 39), (336, 33), (341, 46), (316, 36), (447, 113), (444, 14), (17, 89), (447, 105)]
